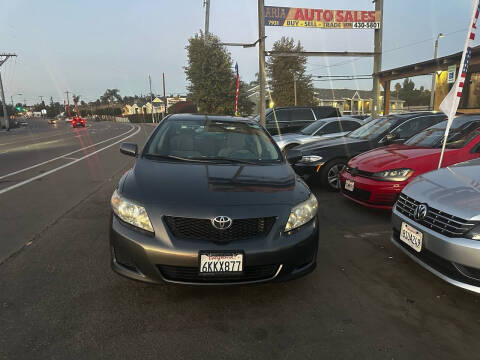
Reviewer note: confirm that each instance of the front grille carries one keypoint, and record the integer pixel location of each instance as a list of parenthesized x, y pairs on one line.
[(191, 274), (358, 172), (359, 194), (202, 229), (439, 221)]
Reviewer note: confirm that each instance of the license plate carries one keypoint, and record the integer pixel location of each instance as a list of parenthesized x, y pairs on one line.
[(411, 236), (349, 185), (219, 263)]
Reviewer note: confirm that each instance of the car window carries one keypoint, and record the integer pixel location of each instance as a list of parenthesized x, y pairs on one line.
[(349, 125), (302, 114), (212, 140), (374, 128), (325, 112), (313, 127), (461, 133), (332, 127), (413, 126), (281, 115)]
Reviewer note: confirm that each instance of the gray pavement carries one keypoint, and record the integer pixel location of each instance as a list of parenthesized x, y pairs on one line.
[(60, 300)]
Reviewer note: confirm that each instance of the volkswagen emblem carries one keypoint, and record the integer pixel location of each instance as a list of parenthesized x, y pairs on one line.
[(221, 222), (420, 212)]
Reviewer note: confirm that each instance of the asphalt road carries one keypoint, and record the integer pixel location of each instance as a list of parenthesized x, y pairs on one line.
[(60, 300)]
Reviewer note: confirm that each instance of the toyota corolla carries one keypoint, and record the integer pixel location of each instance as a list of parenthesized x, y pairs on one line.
[(212, 200)]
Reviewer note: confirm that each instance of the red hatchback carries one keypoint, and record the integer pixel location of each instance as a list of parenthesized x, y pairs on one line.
[(78, 121), (375, 178)]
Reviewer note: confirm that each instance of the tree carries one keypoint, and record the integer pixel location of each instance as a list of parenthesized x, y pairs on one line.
[(281, 71), (110, 95), (211, 78), (412, 96)]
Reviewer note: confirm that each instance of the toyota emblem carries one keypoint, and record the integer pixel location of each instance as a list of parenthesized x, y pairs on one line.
[(420, 212), (221, 222)]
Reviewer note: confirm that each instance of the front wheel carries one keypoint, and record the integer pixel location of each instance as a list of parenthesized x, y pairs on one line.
[(330, 174)]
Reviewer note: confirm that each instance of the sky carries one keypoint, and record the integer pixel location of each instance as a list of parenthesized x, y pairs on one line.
[(87, 46)]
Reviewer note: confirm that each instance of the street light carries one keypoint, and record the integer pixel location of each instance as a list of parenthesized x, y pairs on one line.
[(11, 97), (435, 55)]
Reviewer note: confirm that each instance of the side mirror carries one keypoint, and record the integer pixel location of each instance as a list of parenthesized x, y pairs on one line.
[(129, 149), (390, 138), (293, 155)]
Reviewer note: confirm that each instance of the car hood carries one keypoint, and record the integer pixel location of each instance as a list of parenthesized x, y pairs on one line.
[(202, 185), (326, 143), (396, 157), (454, 190)]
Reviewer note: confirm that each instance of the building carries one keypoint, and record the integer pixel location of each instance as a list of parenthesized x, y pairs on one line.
[(171, 100), (470, 100), (353, 102)]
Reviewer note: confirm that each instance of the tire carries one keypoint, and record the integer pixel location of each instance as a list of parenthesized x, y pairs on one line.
[(330, 174)]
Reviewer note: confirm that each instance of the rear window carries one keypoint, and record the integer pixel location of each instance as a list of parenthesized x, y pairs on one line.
[(302, 114), (326, 112)]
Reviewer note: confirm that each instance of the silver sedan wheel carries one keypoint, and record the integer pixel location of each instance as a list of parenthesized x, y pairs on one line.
[(333, 175)]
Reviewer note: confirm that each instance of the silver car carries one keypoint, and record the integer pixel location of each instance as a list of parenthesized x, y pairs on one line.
[(436, 222), (324, 128)]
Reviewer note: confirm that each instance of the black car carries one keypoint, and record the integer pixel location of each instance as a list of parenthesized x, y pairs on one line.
[(326, 159), (212, 200), (282, 120)]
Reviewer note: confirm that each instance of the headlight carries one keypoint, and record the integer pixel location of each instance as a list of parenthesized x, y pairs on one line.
[(131, 213), (310, 159), (394, 175), (474, 234), (302, 213)]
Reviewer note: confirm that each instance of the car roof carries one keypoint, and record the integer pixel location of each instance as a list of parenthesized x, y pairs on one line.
[(203, 117), (346, 118), (301, 107)]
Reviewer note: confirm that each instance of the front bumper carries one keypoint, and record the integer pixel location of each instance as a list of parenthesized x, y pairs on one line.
[(277, 257), (454, 260), (372, 193), (307, 170)]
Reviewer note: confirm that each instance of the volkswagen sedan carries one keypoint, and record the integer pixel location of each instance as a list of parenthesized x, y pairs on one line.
[(212, 200)]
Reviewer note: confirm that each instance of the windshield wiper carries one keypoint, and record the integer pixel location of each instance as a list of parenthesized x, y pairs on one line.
[(172, 157), (232, 161)]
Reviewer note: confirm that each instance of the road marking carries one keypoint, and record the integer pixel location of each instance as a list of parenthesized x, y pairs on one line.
[(69, 158), (66, 165), (61, 156)]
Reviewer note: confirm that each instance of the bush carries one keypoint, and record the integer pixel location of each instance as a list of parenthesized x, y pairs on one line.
[(144, 118), (183, 107)]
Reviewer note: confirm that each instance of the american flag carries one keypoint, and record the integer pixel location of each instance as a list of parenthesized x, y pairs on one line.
[(236, 91), (450, 104)]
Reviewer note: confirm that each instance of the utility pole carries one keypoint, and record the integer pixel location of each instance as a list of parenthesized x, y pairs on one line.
[(377, 61), (164, 97), (295, 87), (261, 60), (6, 119), (435, 55), (68, 99), (151, 97), (206, 3)]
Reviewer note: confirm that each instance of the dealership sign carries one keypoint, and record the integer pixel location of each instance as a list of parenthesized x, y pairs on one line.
[(321, 18)]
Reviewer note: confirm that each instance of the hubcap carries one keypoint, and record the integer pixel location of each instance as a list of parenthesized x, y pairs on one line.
[(333, 175)]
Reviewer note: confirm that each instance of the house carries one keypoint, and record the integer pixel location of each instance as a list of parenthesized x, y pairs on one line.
[(156, 106), (171, 100), (353, 102)]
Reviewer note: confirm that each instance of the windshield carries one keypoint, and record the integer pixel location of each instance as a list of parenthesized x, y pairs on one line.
[(310, 129), (374, 128), (212, 140), (463, 131)]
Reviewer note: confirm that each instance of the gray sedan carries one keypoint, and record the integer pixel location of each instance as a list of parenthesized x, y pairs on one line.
[(436, 221), (324, 128)]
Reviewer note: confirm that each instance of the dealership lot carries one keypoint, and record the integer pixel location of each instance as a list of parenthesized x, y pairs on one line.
[(59, 299)]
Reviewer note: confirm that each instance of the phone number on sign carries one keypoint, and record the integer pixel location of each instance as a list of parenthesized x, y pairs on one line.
[(366, 25)]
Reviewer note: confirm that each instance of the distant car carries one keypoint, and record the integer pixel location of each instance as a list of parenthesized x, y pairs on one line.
[(325, 160), (52, 121), (282, 120), (320, 129), (68, 119), (78, 121), (375, 178), (436, 222)]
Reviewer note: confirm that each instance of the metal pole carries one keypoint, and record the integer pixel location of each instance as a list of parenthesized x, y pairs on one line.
[(295, 88), (151, 97), (5, 114), (377, 61), (434, 75), (207, 18), (164, 97), (261, 60)]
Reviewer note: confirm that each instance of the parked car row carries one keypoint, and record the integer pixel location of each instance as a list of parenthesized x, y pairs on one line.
[(436, 213)]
